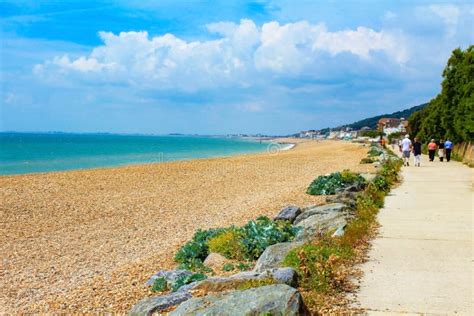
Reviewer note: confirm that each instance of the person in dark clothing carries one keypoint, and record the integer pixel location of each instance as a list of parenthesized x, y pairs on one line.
[(441, 150), (417, 152)]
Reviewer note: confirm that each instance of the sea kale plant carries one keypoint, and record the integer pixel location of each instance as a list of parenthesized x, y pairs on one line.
[(335, 182), (238, 243)]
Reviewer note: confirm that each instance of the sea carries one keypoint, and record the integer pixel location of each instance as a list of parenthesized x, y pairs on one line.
[(22, 153)]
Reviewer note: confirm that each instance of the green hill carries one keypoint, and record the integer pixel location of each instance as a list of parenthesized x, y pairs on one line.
[(372, 121)]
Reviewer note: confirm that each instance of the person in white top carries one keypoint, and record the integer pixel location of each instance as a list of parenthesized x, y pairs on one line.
[(406, 148)]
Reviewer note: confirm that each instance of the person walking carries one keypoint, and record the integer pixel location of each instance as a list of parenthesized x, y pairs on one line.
[(432, 149), (441, 150), (416, 153), (448, 147), (406, 148)]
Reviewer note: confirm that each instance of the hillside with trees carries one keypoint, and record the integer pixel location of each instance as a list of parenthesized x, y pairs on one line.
[(450, 114)]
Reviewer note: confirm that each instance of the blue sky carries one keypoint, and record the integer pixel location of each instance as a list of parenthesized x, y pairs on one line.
[(217, 67)]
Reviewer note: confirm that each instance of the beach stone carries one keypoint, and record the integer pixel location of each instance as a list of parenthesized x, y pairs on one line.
[(277, 299), (368, 176), (274, 255), (321, 209), (288, 213), (376, 164), (152, 305), (216, 261), (169, 275), (339, 232), (319, 223)]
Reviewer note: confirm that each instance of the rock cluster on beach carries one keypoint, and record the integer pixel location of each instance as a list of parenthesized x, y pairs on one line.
[(274, 286)]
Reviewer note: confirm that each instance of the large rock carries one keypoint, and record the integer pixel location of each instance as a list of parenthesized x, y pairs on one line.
[(347, 198), (317, 224), (277, 299), (152, 305), (286, 276), (169, 275), (216, 261), (321, 209), (274, 255), (289, 213)]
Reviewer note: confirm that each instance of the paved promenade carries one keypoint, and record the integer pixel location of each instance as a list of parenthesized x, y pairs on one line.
[(422, 261)]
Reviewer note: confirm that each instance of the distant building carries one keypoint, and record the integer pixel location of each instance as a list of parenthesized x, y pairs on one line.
[(309, 134), (392, 125)]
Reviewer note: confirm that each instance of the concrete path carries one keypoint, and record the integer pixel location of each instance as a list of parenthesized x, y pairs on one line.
[(422, 262)]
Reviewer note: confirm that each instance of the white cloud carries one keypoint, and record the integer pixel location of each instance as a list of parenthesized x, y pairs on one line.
[(449, 14), (241, 55)]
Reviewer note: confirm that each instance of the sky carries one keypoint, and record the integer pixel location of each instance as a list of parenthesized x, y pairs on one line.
[(220, 67)]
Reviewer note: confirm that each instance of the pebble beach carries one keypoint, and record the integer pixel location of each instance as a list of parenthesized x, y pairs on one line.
[(86, 241)]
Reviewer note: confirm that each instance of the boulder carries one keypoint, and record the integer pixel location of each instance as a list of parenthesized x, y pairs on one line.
[(286, 276), (277, 299), (274, 255), (321, 209), (169, 275), (157, 304), (216, 261), (288, 213), (347, 198), (319, 223)]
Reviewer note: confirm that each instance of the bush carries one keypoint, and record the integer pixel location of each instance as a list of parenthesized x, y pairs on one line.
[(195, 251), (228, 267), (374, 151), (319, 265), (247, 242), (335, 182), (228, 243), (259, 234)]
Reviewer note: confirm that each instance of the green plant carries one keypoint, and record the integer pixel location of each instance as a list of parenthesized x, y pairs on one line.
[(195, 251), (159, 285), (228, 243), (367, 160), (374, 151), (244, 266), (335, 182), (228, 267), (186, 279), (259, 234)]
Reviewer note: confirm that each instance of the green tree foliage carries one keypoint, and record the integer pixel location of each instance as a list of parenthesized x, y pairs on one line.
[(451, 113)]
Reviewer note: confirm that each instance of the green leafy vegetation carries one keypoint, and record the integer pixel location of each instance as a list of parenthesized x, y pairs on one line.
[(195, 251), (186, 279), (451, 113), (240, 243), (374, 151), (228, 267), (335, 182), (159, 285), (370, 133), (229, 244)]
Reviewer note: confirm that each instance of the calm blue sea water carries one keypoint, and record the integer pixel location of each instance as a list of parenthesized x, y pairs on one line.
[(27, 153)]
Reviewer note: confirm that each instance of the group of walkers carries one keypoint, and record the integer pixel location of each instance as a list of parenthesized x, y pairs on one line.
[(406, 147)]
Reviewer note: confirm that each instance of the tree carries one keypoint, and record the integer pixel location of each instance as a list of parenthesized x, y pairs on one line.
[(451, 113)]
